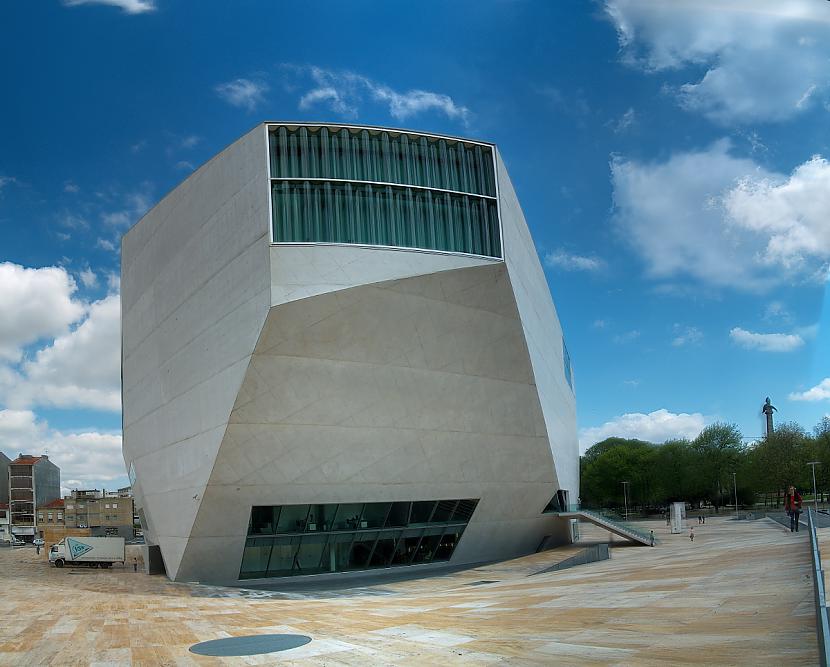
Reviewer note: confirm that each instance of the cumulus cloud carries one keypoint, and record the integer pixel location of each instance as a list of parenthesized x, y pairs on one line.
[(724, 220), (560, 259), (821, 392), (766, 342), (36, 304), (343, 92), (791, 213), (244, 93), (128, 6), (80, 368), (657, 426), (764, 60), (87, 457)]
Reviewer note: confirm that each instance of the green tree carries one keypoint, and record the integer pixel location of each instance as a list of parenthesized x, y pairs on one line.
[(719, 451)]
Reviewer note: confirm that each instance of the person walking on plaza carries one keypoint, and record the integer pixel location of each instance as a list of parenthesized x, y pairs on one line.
[(692, 534), (792, 505), (652, 538)]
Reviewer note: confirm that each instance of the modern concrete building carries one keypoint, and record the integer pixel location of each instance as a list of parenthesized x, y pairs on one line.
[(340, 353), (33, 481)]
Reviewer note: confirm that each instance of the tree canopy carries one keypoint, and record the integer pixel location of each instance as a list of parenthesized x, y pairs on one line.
[(706, 469)]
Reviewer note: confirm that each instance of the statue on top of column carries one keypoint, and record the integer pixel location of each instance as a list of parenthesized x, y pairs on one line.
[(768, 409)]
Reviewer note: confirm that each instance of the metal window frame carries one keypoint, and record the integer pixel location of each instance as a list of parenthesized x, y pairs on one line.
[(267, 127)]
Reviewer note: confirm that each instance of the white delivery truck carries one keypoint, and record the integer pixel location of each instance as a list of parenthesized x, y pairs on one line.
[(90, 551)]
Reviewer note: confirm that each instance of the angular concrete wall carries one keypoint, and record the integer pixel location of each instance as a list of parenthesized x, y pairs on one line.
[(195, 292), (543, 334), (411, 389)]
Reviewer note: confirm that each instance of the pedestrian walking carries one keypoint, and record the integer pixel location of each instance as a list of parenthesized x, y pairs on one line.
[(792, 505), (692, 534), (652, 538), (37, 550), (135, 564), (699, 519)]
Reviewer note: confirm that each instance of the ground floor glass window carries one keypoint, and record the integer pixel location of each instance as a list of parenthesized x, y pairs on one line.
[(292, 540)]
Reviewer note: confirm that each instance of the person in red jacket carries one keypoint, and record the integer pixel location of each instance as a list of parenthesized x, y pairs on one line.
[(792, 504)]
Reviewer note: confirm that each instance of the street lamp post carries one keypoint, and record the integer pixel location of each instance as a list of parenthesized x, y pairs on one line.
[(813, 464), (625, 497), (735, 485)]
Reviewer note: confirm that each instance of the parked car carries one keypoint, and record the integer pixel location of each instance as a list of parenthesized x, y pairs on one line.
[(18, 543), (38, 542)]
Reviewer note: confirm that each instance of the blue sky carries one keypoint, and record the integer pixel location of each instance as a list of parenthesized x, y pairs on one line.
[(669, 157)]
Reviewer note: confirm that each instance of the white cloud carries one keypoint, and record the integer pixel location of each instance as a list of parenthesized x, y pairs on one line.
[(243, 93), (88, 278), (777, 312), (723, 220), (560, 259), (657, 426), (821, 392), (81, 368), (343, 92), (87, 457), (766, 342), (792, 213), (105, 244), (185, 165), (69, 186), (129, 6), (34, 304), (599, 324), (764, 60), (686, 336), (625, 122)]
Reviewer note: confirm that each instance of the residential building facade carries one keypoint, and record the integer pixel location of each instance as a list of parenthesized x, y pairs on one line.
[(34, 481)]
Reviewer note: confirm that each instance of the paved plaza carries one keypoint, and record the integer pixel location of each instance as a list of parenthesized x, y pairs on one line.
[(739, 594)]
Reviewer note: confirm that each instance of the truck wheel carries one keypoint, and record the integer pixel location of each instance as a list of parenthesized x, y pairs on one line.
[(59, 562), (105, 565)]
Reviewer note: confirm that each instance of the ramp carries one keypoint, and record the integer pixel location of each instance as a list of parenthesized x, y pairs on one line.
[(612, 525)]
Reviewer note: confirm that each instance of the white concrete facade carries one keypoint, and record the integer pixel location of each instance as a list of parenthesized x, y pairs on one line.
[(257, 374)]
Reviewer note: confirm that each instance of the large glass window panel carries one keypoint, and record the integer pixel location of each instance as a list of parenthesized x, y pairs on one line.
[(384, 548), (334, 538), (262, 521), (362, 550), (292, 519), (379, 155), (421, 512), (374, 514), (310, 555), (443, 511), (331, 212), (428, 545), (283, 561), (398, 515), (348, 516), (320, 518), (255, 558), (464, 510), (406, 546), (447, 544), (336, 557)]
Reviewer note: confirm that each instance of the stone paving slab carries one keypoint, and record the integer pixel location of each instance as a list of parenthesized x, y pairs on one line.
[(740, 594)]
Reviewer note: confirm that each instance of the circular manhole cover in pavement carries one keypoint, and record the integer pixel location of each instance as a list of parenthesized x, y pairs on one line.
[(249, 645)]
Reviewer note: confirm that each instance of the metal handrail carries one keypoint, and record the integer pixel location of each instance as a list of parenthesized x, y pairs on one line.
[(822, 621), (611, 517)]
